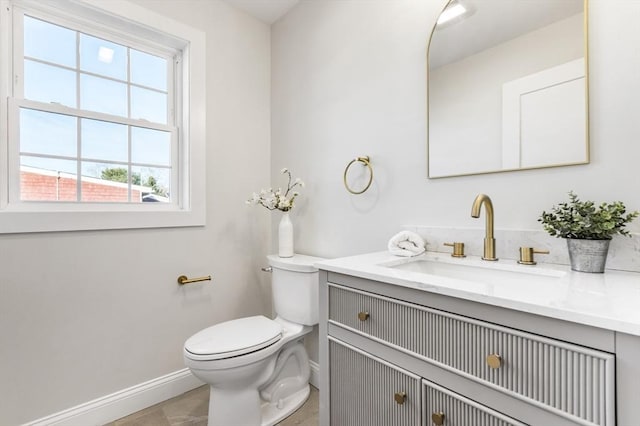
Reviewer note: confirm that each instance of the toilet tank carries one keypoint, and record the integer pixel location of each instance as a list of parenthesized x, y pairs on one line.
[(294, 285)]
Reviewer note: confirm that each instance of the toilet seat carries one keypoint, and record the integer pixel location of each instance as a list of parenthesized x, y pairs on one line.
[(234, 338)]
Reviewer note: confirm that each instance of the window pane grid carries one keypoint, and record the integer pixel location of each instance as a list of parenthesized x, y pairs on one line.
[(53, 64), (148, 107), (129, 105), (75, 112), (129, 182), (77, 54), (76, 70), (78, 150), (148, 181), (100, 160), (53, 157), (94, 160)]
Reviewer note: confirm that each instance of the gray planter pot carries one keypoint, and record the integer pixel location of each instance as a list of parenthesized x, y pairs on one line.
[(588, 255)]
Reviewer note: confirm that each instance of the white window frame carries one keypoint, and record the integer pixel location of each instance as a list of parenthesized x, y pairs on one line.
[(116, 21)]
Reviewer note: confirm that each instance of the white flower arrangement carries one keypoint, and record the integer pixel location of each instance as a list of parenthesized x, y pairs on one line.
[(278, 200)]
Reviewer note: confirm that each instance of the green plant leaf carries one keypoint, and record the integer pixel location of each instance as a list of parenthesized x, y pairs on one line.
[(583, 220)]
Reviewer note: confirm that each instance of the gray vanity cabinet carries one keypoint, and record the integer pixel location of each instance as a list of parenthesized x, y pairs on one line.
[(397, 356), (368, 391)]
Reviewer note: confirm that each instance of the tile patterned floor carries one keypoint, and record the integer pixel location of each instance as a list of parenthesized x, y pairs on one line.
[(190, 409)]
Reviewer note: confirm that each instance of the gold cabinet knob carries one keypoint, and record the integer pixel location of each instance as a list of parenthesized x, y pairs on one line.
[(400, 397), (494, 361), (437, 418), (363, 316)]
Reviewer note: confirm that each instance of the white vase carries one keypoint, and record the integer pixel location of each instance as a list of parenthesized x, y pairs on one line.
[(285, 236)]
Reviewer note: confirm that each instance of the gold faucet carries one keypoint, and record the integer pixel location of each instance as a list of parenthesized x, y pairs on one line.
[(489, 241)]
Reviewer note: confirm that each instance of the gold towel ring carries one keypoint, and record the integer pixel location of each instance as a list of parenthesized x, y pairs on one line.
[(364, 160)]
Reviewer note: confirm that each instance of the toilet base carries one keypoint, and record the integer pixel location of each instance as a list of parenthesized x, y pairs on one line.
[(272, 414), (261, 392)]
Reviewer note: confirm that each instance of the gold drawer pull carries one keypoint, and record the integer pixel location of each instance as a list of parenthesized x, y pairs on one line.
[(400, 397), (494, 361), (363, 316), (437, 418)]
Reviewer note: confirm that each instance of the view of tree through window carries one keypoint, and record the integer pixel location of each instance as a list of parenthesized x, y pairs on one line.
[(120, 174), (95, 124)]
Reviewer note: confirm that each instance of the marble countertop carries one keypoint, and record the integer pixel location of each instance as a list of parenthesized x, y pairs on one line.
[(610, 300)]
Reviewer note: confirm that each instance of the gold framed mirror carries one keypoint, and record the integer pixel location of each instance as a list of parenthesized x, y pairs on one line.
[(508, 86)]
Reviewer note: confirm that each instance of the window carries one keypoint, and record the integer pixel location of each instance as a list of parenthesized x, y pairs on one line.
[(98, 118), (92, 113)]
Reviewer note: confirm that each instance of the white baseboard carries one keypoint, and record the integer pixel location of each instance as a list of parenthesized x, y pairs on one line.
[(122, 403), (314, 379), (128, 401)]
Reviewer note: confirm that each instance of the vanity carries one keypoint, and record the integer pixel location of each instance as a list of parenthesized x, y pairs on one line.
[(435, 340)]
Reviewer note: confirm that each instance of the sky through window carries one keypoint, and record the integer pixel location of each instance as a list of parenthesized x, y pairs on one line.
[(88, 73)]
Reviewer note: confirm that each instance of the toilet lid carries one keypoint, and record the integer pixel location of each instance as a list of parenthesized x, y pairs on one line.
[(234, 338)]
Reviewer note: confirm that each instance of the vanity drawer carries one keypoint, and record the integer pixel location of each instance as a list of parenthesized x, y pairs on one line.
[(444, 407), (569, 380), (367, 391)]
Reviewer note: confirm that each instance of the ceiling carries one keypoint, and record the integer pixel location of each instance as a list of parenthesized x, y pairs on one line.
[(268, 11)]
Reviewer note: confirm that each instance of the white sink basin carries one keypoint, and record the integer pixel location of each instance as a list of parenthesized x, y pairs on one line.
[(474, 270)]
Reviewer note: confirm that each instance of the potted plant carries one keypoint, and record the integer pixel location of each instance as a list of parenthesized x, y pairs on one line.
[(588, 229)]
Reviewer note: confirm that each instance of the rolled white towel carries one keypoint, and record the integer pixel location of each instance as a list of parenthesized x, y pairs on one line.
[(407, 244)]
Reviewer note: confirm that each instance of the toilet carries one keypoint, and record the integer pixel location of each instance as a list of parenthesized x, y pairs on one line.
[(257, 368)]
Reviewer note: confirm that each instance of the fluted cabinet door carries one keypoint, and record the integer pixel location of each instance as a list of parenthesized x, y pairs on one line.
[(443, 407), (367, 391)]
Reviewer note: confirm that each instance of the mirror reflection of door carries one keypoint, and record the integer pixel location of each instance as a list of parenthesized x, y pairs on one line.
[(507, 86)]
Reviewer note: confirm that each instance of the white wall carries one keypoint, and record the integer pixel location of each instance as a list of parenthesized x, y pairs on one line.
[(348, 79), (85, 314)]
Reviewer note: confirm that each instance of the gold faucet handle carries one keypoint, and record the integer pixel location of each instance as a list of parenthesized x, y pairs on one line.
[(526, 255), (458, 249)]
